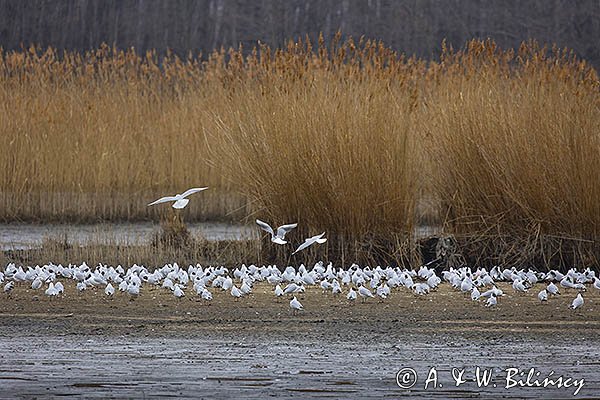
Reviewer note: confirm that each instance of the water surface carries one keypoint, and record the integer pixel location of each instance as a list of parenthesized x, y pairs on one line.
[(261, 366), (16, 236)]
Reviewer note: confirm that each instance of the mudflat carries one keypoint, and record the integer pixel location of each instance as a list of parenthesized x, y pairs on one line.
[(87, 345)]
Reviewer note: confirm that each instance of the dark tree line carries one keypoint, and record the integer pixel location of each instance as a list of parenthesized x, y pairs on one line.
[(410, 26)]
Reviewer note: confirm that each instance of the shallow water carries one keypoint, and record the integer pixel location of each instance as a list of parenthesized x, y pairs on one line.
[(17, 236), (239, 365), (20, 236)]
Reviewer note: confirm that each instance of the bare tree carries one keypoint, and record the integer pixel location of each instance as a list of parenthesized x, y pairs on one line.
[(410, 26)]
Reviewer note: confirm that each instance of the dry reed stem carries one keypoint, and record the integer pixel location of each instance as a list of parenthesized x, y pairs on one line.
[(351, 138)]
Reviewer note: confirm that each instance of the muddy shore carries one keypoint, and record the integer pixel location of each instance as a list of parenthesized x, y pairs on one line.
[(85, 345)]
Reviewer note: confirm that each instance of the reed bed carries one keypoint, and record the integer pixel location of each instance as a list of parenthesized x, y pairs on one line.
[(516, 154), (97, 136), (225, 252), (325, 138), (498, 146)]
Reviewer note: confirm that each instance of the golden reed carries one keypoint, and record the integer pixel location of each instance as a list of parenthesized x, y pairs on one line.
[(351, 137)]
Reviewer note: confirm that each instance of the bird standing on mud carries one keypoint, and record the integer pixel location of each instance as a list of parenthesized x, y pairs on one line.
[(9, 287), (578, 302), (295, 305)]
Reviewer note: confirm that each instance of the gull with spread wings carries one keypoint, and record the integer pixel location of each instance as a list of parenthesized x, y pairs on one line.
[(281, 231), (179, 200), (310, 241)]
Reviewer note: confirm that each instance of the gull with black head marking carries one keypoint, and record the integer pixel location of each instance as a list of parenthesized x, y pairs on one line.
[(295, 305), (578, 302)]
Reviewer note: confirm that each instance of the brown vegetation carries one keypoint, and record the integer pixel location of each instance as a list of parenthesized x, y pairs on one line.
[(515, 156), (224, 252), (353, 139)]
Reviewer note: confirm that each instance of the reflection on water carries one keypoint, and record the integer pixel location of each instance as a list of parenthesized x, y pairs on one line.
[(25, 236)]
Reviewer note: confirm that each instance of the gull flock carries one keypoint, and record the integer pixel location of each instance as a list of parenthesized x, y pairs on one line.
[(353, 282)]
